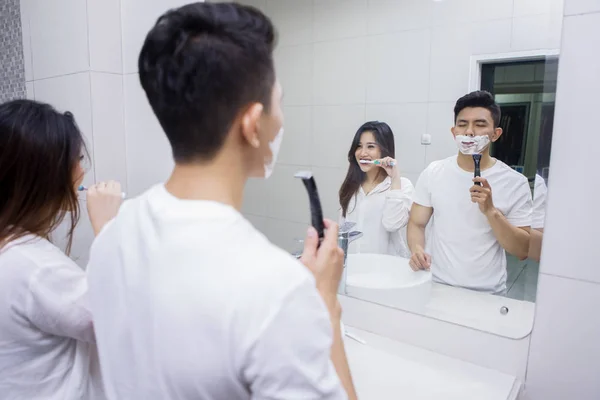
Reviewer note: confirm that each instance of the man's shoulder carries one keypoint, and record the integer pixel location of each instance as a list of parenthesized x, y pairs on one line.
[(510, 174)]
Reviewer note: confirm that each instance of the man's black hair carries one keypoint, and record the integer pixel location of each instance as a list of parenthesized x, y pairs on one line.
[(200, 65), (480, 98)]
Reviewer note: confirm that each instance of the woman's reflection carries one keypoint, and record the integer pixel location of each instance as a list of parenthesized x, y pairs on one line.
[(374, 195)]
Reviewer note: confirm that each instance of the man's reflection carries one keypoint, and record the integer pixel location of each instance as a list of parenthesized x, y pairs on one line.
[(374, 195), (540, 191), (473, 225)]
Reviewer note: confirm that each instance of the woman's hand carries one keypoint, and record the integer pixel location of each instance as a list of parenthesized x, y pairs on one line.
[(390, 166), (103, 202)]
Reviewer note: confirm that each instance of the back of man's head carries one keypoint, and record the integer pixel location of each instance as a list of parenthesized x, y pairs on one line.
[(200, 65)]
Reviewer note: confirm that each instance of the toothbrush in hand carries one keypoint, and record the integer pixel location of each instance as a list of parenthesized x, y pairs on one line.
[(83, 188), (376, 162)]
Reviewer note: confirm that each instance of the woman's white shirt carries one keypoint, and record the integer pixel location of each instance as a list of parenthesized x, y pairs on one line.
[(382, 215), (47, 346)]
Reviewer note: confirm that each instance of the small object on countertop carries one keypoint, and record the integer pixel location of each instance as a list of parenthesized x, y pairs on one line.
[(350, 335), (503, 310), (83, 188), (477, 161), (316, 212), (376, 162)]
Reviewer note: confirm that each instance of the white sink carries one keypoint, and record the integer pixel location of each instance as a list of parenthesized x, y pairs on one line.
[(387, 280)]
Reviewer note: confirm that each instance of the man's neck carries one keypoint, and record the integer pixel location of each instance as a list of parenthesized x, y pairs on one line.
[(215, 181), (466, 161)]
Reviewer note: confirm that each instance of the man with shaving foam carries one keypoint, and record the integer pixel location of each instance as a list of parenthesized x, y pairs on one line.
[(476, 218)]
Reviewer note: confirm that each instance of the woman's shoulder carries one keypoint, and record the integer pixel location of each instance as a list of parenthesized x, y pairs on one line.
[(33, 252)]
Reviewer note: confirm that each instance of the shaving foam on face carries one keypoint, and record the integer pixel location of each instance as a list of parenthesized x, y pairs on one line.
[(470, 145)]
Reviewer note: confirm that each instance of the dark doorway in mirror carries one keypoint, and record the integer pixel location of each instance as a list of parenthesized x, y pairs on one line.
[(525, 91)]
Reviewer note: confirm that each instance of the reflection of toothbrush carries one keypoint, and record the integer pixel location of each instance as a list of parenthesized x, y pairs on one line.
[(477, 160), (316, 211), (83, 188), (376, 162)]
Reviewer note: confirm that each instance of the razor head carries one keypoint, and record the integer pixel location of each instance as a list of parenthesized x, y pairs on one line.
[(303, 174)]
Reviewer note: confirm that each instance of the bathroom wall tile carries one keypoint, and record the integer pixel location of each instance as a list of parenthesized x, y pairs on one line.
[(260, 223), (59, 37), (408, 122), (537, 7), (256, 197), (148, 152), (333, 129), (451, 51), (293, 20), (284, 234), (340, 72), (573, 7), (547, 28), (294, 66), (398, 68), (30, 90), (109, 128), (466, 11), (337, 19), (137, 18), (329, 181), (83, 236), (578, 82), (386, 16), (71, 93), (297, 147), (105, 44), (26, 37), (285, 195), (440, 118), (564, 348)]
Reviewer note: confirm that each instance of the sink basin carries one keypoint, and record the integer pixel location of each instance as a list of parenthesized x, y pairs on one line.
[(387, 280)]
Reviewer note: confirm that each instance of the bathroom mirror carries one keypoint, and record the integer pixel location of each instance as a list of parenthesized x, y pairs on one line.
[(405, 63)]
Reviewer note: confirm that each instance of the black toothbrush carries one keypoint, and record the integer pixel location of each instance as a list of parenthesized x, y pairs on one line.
[(477, 161), (316, 212)]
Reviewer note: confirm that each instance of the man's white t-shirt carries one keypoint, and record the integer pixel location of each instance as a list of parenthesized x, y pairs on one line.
[(190, 301), (464, 251), (382, 216), (540, 192), (46, 331)]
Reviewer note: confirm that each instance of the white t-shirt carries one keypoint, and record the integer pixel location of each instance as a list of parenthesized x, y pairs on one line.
[(382, 216), (46, 330), (190, 301), (464, 251), (540, 192)]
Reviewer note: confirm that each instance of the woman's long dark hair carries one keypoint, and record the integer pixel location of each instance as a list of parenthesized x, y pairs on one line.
[(355, 176), (39, 151)]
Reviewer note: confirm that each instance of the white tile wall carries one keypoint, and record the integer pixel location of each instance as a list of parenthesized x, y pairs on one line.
[(340, 72), (440, 118), (71, 93), (30, 90), (386, 16), (104, 24), (148, 153), (26, 35), (137, 17), (293, 19), (537, 7), (536, 32), (294, 65), (565, 352), (297, 147), (286, 196), (337, 19), (467, 11), (59, 37), (332, 131), (398, 67), (573, 7), (109, 128)]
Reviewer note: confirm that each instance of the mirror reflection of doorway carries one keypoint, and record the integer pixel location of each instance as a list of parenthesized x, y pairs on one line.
[(525, 91)]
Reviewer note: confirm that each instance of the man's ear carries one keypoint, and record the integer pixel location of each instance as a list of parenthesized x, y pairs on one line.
[(497, 134), (453, 133), (250, 124)]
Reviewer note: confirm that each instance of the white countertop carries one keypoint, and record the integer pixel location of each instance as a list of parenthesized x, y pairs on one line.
[(385, 369)]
